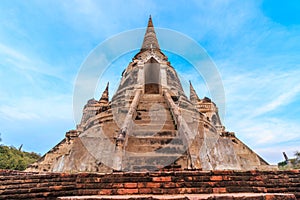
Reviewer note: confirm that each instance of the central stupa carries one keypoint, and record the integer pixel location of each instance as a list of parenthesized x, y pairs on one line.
[(149, 124)]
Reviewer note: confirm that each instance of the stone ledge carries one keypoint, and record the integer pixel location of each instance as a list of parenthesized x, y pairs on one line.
[(228, 196), (16, 185)]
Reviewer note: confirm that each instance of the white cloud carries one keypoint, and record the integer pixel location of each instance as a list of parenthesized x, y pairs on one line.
[(274, 153), (283, 99), (102, 19), (13, 113), (11, 53), (256, 100), (26, 64), (260, 91), (38, 109), (269, 137)]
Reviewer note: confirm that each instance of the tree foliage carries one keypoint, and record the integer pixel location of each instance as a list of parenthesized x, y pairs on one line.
[(297, 160), (12, 158), (293, 163)]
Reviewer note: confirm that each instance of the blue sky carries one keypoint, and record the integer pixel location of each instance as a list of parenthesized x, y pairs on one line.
[(254, 44)]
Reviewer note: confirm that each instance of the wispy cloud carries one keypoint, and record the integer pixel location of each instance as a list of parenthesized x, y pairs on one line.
[(12, 54), (283, 99), (102, 20), (21, 62), (274, 153), (262, 89), (38, 109), (12, 113), (255, 102)]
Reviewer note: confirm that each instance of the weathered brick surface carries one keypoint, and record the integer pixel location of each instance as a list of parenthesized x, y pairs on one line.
[(22, 185)]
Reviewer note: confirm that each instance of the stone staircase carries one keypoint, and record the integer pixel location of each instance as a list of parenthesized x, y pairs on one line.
[(154, 142)]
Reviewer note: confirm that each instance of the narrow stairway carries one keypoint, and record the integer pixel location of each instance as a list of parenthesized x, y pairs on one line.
[(154, 143)]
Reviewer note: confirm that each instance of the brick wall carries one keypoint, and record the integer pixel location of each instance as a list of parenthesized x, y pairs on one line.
[(15, 184)]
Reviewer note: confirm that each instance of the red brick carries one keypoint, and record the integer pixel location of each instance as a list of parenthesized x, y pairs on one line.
[(202, 190), (130, 185), (127, 191), (117, 185), (216, 178), (270, 197), (145, 191), (226, 178), (295, 170), (180, 184), (157, 191), (98, 180), (57, 187), (191, 190), (142, 185), (153, 185), (257, 178), (171, 191), (185, 190), (169, 185), (105, 192), (212, 183), (223, 172), (254, 172), (64, 174), (162, 179), (219, 190)]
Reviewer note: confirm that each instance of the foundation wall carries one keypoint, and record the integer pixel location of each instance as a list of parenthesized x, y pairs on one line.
[(23, 185)]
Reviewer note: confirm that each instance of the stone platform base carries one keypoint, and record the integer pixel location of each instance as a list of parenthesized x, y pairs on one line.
[(152, 185), (229, 196)]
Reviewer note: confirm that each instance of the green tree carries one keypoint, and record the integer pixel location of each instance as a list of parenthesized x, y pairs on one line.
[(293, 163), (297, 159), (12, 158)]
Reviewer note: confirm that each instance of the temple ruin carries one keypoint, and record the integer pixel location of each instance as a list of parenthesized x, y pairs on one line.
[(149, 124)]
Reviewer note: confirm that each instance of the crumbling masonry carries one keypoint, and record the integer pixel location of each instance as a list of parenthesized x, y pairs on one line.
[(149, 124)]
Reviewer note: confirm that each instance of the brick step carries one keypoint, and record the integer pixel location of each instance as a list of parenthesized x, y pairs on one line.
[(153, 159), (140, 168), (146, 116), (158, 111), (154, 103), (173, 150), (152, 107), (161, 108), (153, 111), (146, 133), (154, 141), (190, 183), (152, 97), (151, 103), (154, 127), (166, 149), (153, 121), (236, 196)]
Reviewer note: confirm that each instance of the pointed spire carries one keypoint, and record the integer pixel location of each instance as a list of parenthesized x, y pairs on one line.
[(150, 23), (150, 40), (104, 97), (193, 95)]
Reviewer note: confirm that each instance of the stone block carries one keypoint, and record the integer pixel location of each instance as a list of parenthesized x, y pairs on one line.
[(216, 178), (162, 179)]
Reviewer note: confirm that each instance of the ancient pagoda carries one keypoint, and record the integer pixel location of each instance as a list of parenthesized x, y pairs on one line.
[(149, 124)]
